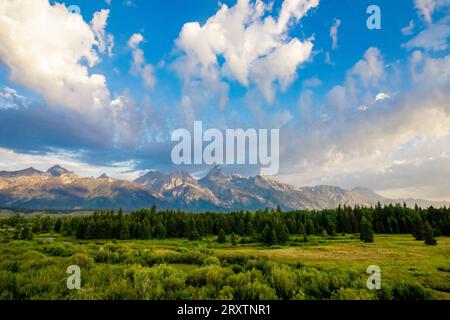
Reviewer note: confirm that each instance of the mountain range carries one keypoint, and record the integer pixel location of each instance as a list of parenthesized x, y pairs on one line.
[(58, 188)]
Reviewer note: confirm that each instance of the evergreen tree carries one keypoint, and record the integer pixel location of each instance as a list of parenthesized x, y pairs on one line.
[(124, 233), (36, 228), (301, 229), (46, 224), (160, 231), (146, 230), (268, 235), (26, 234), (417, 228), (195, 235), (90, 231), (366, 232), (428, 234), (81, 230), (233, 239), (57, 226), (222, 238), (281, 231)]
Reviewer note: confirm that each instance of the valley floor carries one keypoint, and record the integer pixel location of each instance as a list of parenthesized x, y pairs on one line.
[(322, 268)]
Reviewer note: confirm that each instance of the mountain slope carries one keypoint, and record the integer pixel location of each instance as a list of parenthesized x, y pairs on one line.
[(59, 188)]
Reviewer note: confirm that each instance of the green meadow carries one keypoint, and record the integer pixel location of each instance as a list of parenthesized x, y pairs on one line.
[(324, 267)]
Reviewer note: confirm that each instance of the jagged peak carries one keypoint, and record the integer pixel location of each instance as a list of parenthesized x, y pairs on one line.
[(57, 171), (216, 171), (103, 176), (25, 172)]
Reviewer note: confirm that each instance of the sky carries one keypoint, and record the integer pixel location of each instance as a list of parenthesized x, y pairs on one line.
[(102, 90)]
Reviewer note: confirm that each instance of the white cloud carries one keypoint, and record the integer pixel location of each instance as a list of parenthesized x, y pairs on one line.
[(10, 99), (426, 8), (370, 69), (433, 38), (250, 42), (334, 33), (98, 25), (50, 52), (10, 161), (408, 30), (402, 145), (382, 96), (139, 65)]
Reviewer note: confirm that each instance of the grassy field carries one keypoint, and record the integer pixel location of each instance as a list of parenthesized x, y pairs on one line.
[(132, 269)]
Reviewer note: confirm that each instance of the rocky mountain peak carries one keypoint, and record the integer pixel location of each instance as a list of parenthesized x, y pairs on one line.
[(21, 173), (216, 173), (103, 176), (57, 171), (150, 176)]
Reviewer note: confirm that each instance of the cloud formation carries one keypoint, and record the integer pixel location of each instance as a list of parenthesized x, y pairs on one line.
[(45, 47), (255, 47), (398, 143), (139, 66), (334, 33)]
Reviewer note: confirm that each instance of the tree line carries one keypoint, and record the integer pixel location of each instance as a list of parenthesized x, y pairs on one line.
[(267, 226)]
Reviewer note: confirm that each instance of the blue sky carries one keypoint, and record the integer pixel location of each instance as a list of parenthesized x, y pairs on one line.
[(103, 92)]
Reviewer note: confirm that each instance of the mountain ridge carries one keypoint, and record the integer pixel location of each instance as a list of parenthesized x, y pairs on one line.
[(59, 188)]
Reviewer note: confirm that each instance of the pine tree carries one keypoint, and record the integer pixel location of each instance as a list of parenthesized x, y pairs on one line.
[(195, 235), (417, 228), (160, 231), (282, 232), (146, 230), (124, 233), (91, 230), (233, 239), (266, 235), (269, 236), (428, 234), (301, 229), (81, 230), (222, 238), (26, 234), (366, 232), (57, 226)]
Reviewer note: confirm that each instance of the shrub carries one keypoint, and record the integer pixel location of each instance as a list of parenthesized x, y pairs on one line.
[(58, 250), (82, 260), (211, 261), (352, 294), (402, 290), (284, 281), (159, 282)]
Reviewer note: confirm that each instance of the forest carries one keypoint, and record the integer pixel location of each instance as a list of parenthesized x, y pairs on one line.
[(269, 227), (264, 255)]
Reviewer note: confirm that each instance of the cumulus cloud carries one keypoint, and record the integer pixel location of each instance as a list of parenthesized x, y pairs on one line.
[(139, 65), (433, 38), (381, 96), (405, 136), (334, 33), (408, 30), (10, 99), (50, 51), (371, 68), (254, 46), (426, 8), (10, 160), (98, 25)]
